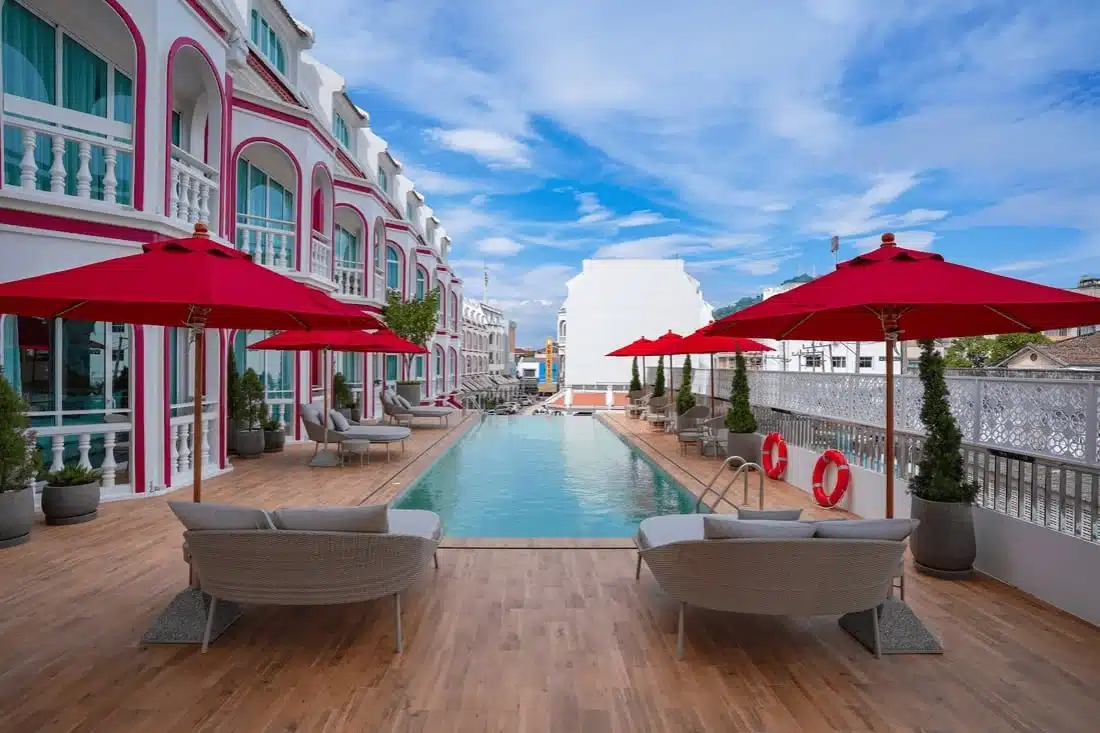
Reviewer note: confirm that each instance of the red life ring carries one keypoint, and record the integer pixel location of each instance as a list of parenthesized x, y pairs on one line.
[(843, 475), (775, 470)]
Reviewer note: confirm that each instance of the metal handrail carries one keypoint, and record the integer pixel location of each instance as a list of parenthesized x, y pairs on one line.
[(742, 469)]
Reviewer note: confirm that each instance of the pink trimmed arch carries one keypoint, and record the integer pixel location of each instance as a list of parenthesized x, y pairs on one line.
[(141, 75), (427, 279), (181, 42), (366, 241), (454, 371), (403, 272), (237, 152), (328, 207)]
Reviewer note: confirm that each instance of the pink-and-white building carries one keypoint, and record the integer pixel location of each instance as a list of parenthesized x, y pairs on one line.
[(128, 121)]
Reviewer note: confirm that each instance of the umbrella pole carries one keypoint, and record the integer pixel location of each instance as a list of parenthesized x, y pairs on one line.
[(196, 450), (712, 385), (324, 458), (891, 339)]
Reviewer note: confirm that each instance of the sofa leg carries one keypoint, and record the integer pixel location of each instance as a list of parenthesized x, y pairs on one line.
[(638, 569), (397, 612), (901, 583), (209, 624), (875, 631), (680, 633), (435, 559)]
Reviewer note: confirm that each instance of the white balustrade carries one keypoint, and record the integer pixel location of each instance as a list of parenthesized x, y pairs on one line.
[(320, 256), (271, 242), (349, 278), (379, 286), (193, 187), (85, 437), (282, 409), (62, 126), (183, 450)]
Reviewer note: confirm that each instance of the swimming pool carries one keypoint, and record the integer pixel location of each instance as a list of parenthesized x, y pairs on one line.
[(543, 476)]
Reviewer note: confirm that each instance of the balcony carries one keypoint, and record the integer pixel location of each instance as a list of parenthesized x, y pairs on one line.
[(269, 241), (348, 275), (193, 188), (69, 155), (320, 256)]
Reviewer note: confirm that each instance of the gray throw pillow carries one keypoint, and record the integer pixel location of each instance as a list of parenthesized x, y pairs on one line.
[(339, 422), (781, 514), (720, 528), (219, 516), (866, 529), (403, 402), (369, 518)]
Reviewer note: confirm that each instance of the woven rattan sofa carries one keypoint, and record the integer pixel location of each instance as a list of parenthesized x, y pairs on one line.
[(773, 575), (257, 559)]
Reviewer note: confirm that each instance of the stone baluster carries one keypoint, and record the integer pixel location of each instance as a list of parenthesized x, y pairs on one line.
[(109, 465), (181, 200), (110, 180), (204, 201), (207, 429), (84, 173), (192, 198), (173, 445), (57, 449), (174, 191), (277, 258), (185, 448), (84, 445), (28, 166), (57, 170)]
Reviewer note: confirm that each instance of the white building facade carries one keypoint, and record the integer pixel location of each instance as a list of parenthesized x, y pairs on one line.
[(485, 339), (613, 302), (129, 121)]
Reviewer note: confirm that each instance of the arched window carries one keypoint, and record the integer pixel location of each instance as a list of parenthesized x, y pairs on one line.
[(454, 311), (379, 244), (421, 284), (393, 269)]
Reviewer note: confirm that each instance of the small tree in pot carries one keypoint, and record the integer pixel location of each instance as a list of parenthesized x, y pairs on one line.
[(341, 395), (235, 402), (943, 543), (19, 464), (659, 380), (414, 320), (274, 436), (250, 439), (685, 398), (635, 381), (741, 423), (71, 495)]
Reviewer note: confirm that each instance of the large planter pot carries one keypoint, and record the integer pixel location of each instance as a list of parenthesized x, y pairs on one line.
[(943, 543), (16, 517), (410, 392), (274, 441), (235, 426), (70, 504), (746, 445), (250, 443), (345, 411), (356, 415)]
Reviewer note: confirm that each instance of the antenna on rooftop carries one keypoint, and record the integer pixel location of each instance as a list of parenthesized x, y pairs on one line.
[(485, 287)]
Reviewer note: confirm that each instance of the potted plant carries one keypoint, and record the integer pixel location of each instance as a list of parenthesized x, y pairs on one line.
[(341, 395), (234, 403), (274, 436), (743, 440), (19, 464), (71, 495), (250, 436), (635, 381), (410, 390), (685, 398), (659, 380), (356, 410), (943, 544)]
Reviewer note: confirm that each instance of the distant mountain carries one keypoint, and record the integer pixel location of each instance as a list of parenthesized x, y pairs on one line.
[(743, 303)]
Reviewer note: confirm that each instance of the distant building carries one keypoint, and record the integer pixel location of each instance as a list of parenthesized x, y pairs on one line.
[(613, 302), (484, 338), (510, 354), (1079, 353), (1087, 285)]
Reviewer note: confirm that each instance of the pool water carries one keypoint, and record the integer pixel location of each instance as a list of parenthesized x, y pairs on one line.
[(544, 476)]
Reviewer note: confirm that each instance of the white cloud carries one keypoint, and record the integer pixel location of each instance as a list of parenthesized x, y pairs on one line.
[(640, 219), (912, 239), (461, 221), (846, 216), (590, 209), (440, 183), (499, 246), (655, 248), (491, 147)]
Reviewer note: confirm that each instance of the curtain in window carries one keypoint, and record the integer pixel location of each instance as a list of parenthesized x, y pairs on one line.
[(420, 284), (391, 367), (393, 269), (83, 89), (30, 64), (11, 354), (346, 246), (420, 367), (124, 112)]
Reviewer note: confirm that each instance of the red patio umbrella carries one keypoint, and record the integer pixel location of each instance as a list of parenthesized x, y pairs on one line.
[(635, 348), (325, 342), (700, 343), (893, 292), (192, 283)]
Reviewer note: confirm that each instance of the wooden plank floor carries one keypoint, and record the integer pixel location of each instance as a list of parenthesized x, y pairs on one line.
[(497, 639)]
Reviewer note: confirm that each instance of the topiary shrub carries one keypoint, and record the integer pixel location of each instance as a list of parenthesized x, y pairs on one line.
[(739, 417), (252, 394), (659, 382), (19, 461), (685, 398), (635, 381)]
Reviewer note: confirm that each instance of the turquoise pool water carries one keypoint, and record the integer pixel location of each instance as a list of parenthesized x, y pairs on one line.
[(544, 476)]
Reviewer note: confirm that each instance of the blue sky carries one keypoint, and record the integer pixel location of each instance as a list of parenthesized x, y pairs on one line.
[(737, 135)]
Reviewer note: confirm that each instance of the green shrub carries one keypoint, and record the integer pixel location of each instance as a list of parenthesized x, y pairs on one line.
[(739, 417), (341, 395), (659, 381), (73, 476), (685, 398), (253, 409), (635, 381), (19, 461)]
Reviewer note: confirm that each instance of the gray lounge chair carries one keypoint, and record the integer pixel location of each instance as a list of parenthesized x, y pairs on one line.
[(384, 434), (400, 411)]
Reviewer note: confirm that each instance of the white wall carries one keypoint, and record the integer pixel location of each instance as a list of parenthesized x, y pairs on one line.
[(614, 302)]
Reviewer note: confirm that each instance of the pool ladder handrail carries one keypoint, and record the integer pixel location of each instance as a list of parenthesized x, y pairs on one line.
[(743, 469)]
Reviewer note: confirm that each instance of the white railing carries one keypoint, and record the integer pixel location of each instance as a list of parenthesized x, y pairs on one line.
[(271, 242), (181, 442), (349, 278), (62, 126), (116, 452), (320, 256), (379, 286), (193, 187), (282, 409)]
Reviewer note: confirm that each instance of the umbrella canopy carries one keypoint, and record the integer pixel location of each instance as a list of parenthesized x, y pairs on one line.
[(917, 295), (384, 341), (666, 345), (192, 282), (893, 292), (634, 348), (700, 343), (182, 282)]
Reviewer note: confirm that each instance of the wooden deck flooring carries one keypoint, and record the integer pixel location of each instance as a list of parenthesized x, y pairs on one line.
[(497, 639)]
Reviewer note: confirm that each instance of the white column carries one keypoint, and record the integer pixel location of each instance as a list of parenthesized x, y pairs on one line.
[(57, 448), (84, 445), (57, 170), (174, 191), (28, 166), (173, 443), (84, 173), (110, 181), (109, 465)]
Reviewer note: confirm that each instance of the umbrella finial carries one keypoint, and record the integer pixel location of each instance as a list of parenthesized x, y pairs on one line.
[(201, 230), (888, 240)]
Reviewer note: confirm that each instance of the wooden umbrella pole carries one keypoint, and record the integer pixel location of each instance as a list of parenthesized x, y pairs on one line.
[(325, 380), (196, 450), (712, 385), (891, 339)]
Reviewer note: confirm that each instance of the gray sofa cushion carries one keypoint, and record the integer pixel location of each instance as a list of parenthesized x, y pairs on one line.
[(339, 422), (310, 413), (404, 403), (781, 514), (721, 528), (866, 529), (668, 528), (416, 522), (369, 518), (219, 516)]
